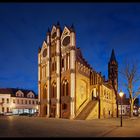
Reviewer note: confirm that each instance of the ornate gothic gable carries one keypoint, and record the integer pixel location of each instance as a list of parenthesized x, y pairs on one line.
[(65, 37), (53, 33)]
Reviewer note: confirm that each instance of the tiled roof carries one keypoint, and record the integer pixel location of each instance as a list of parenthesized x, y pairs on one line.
[(13, 91)]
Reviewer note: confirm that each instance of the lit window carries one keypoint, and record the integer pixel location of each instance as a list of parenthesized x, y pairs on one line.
[(2, 109), (3, 100), (53, 90), (65, 88), (7, 100), (13, 100), (7, 109)]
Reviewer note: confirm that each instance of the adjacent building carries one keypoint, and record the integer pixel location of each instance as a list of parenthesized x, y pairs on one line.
[(68, 87), (126, 106), (18, 101)]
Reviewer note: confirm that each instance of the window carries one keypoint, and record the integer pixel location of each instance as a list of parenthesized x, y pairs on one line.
[(21, 101), (2, 109), (30, 95), (13, 100), (63, 63), (36, 102), (54, 90), (7, 100), (25, 101), (17, 101), (53, 66), (64, 106), (7, 109), (33, 102), (68, 61), (65, 88), (29, 101), (45, 92), (3, 100)]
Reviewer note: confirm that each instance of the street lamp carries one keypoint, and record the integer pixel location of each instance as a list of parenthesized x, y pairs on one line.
[(121, 95)]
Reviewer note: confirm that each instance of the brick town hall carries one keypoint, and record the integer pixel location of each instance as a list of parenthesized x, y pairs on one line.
[(67, 85)]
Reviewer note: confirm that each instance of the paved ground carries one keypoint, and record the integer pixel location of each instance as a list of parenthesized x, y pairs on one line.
[(42, 127)]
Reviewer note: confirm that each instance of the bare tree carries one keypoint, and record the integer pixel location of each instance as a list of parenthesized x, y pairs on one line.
[(130, 73)]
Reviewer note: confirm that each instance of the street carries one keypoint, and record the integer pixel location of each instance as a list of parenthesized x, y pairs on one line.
[(21, 126)]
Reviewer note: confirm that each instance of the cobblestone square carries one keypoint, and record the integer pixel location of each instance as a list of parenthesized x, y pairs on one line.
[(20, 126)]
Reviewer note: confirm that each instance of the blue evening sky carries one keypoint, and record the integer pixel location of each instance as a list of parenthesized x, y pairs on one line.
[(100, 27)]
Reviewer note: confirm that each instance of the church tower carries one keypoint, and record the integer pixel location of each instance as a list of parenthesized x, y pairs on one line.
[(113, 71), (113, 76)]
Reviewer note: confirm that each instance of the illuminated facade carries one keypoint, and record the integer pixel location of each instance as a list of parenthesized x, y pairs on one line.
[(18, 101), (67, 86)]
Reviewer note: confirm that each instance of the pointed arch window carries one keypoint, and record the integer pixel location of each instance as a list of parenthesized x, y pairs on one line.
[(65, 88), (63, 63), (54, 90), (45, 91)]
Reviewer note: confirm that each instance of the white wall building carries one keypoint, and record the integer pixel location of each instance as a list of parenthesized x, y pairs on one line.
[(18, 101), (125, 109)]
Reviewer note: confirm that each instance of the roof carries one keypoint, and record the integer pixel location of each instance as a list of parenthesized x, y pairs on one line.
[(13, 91), (79, 57)]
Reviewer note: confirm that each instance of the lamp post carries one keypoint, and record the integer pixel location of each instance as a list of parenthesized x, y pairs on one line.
[(121, 95)]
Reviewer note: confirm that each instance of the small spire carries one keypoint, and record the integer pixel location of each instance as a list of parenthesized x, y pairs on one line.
[(48, 32), (58, 25), (72, 28), (39, 50), (113, 58)]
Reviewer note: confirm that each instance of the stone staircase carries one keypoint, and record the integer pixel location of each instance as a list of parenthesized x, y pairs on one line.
[(86, 110)]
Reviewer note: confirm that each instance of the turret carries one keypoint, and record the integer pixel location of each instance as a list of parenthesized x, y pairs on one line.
[(72, 36), (48, 37)]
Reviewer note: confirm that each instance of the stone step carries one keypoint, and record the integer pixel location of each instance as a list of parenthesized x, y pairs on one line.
[(86, 110)]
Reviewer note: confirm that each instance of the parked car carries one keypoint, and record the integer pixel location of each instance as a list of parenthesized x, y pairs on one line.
[(8, 113), (1, 114), (24, 114)]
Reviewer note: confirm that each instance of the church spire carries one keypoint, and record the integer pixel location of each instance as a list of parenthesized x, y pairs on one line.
[(48, 32), (113, 58)]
